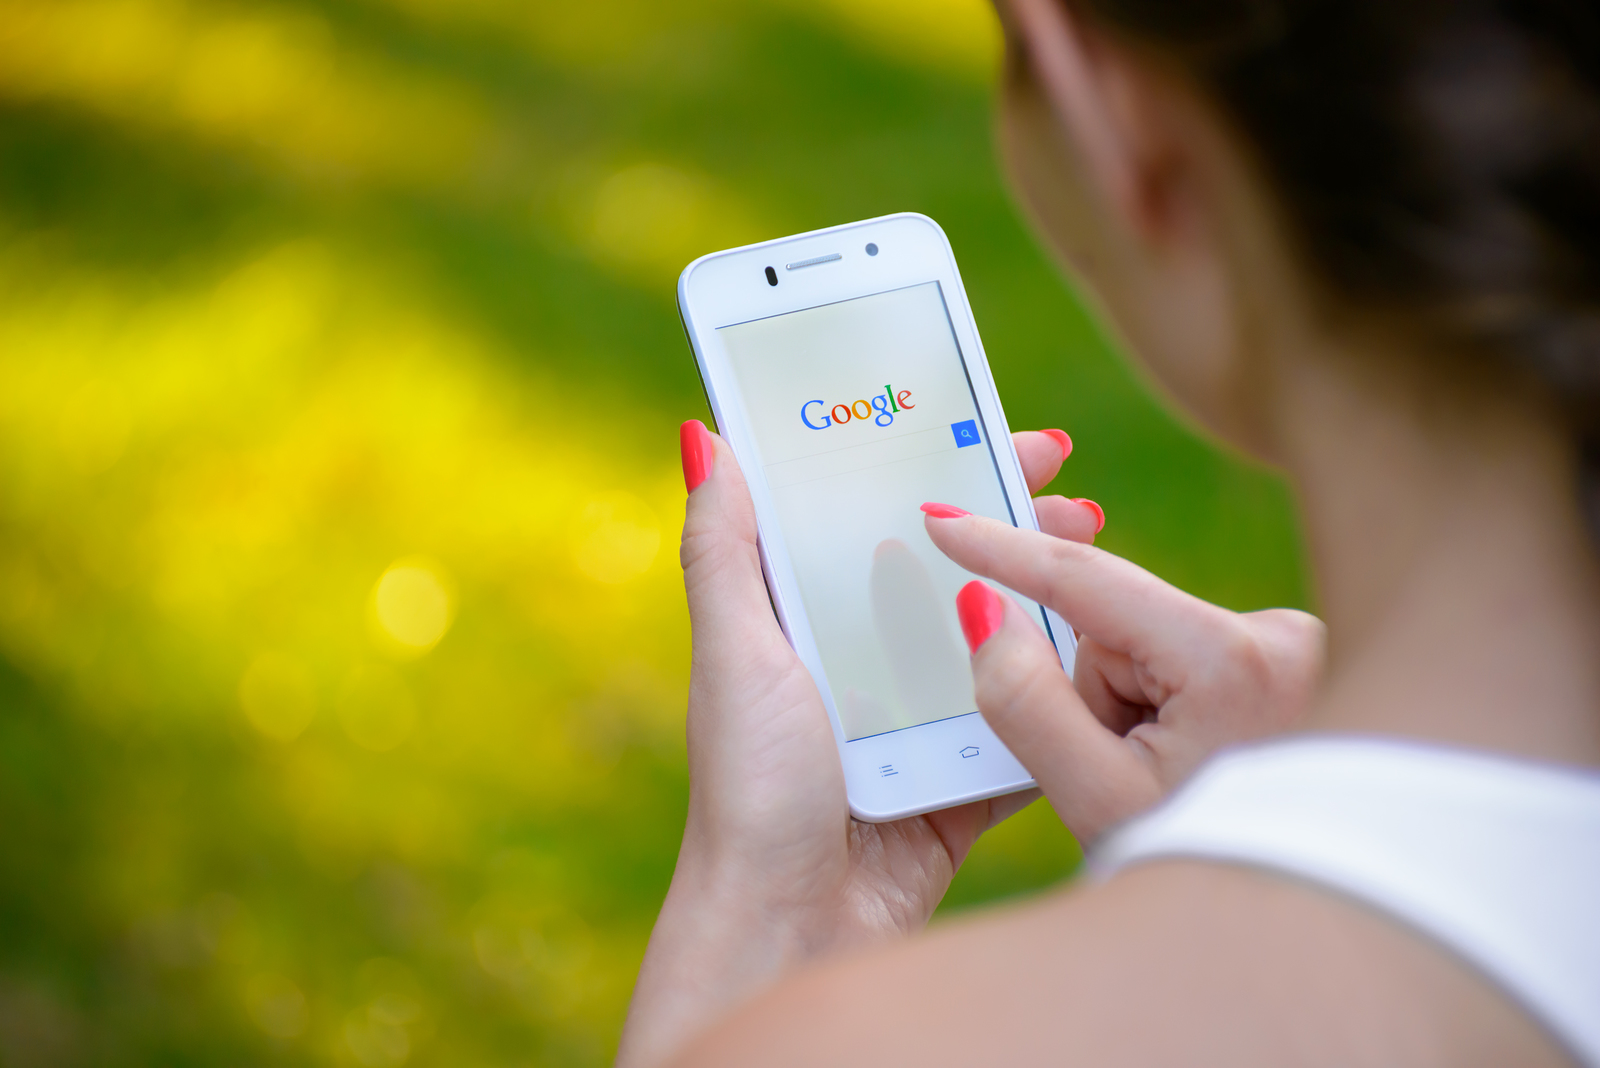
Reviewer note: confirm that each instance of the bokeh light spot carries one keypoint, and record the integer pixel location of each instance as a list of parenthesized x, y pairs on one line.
[(277, 1006), (616, 538), (499, 951), (651, 212), (380, 1033), (376, 708), (960, 37), (413, 605), (376, 1040), (646, 221), (278, 696)]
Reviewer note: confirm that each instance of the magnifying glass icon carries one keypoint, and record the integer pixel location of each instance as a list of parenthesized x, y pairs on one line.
[(966, 433)]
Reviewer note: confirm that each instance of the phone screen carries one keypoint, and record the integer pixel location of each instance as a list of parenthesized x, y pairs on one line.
[(862, 410)]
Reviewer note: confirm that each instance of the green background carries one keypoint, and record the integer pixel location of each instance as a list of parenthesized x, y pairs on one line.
[(294, 294)]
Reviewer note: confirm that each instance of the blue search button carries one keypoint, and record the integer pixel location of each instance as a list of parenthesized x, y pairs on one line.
[(966, 433)]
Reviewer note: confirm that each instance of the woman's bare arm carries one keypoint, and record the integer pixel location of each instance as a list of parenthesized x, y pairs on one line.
[(1178, 963)]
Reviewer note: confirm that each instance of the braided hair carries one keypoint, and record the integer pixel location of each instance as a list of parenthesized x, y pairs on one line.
[(1438, 158)]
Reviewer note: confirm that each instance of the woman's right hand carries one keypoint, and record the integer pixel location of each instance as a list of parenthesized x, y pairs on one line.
[(1162, 678)]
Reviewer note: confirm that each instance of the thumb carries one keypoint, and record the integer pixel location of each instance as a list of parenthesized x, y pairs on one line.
[(1093, 777)]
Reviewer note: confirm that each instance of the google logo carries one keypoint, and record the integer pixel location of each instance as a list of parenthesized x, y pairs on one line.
[(886, 404)]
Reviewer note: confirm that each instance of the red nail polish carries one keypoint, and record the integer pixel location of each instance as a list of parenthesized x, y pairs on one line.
[(1099, 512), (981, 612), (695, 441), (1061, 439), (944, 511)]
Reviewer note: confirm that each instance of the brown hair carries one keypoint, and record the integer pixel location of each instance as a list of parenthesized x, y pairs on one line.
[(1438, 158)]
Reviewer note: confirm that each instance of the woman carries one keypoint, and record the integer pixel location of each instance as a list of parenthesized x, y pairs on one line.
[(1358, 238)]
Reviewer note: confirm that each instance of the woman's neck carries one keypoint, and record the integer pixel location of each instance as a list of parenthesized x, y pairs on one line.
[(1460, 588)]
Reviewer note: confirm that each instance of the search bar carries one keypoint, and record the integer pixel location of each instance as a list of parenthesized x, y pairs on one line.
[(860, 457)]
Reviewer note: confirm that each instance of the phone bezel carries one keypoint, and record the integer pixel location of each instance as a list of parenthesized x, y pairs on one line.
[(730, 286)]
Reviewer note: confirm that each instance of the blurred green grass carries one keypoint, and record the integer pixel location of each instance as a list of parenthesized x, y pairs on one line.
[(329, 325)]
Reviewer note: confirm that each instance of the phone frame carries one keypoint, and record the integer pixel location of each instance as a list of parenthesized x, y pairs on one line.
[(729, 287)]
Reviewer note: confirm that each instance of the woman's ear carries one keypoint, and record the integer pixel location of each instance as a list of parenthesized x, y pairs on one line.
[(1114, 109), (1140, 189)]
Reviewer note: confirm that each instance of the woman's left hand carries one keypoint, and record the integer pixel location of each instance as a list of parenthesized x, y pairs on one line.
[(773, 870)]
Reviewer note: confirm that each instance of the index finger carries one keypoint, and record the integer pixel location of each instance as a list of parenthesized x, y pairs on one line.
[(1120, 604)]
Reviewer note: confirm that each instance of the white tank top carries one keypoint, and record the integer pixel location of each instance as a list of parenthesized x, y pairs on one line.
[(1496, 858)]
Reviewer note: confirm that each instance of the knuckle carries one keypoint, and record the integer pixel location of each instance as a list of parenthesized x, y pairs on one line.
[(1291, 622), (1274, 654), (1056, 568), (1296, 641), (711, 540), (1243, 651), (701, 544)]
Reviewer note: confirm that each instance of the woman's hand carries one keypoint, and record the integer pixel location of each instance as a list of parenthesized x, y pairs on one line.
[(1162, 679), (773, 870)]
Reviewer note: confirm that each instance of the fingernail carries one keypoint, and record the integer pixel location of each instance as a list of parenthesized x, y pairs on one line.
[(981, 612), (1099, 512), (944, 511), (695, 441), (1061, 439)]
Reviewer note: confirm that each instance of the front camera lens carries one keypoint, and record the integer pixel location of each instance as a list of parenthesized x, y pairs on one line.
[(772, 277), (872, 250)]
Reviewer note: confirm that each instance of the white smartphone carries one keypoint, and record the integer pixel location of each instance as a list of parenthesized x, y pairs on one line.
[(844, 369)]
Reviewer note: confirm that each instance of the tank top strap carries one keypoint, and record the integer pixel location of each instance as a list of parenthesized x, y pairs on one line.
[(1496, 858)]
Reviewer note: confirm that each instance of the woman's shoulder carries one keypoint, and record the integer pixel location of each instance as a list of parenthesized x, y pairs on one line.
[(1173, 962)]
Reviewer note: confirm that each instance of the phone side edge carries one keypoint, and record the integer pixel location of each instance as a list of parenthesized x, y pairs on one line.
[(1065, 639), (714, 402)]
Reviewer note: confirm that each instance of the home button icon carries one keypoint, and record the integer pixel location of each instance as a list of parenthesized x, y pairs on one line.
[(969, 752)]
